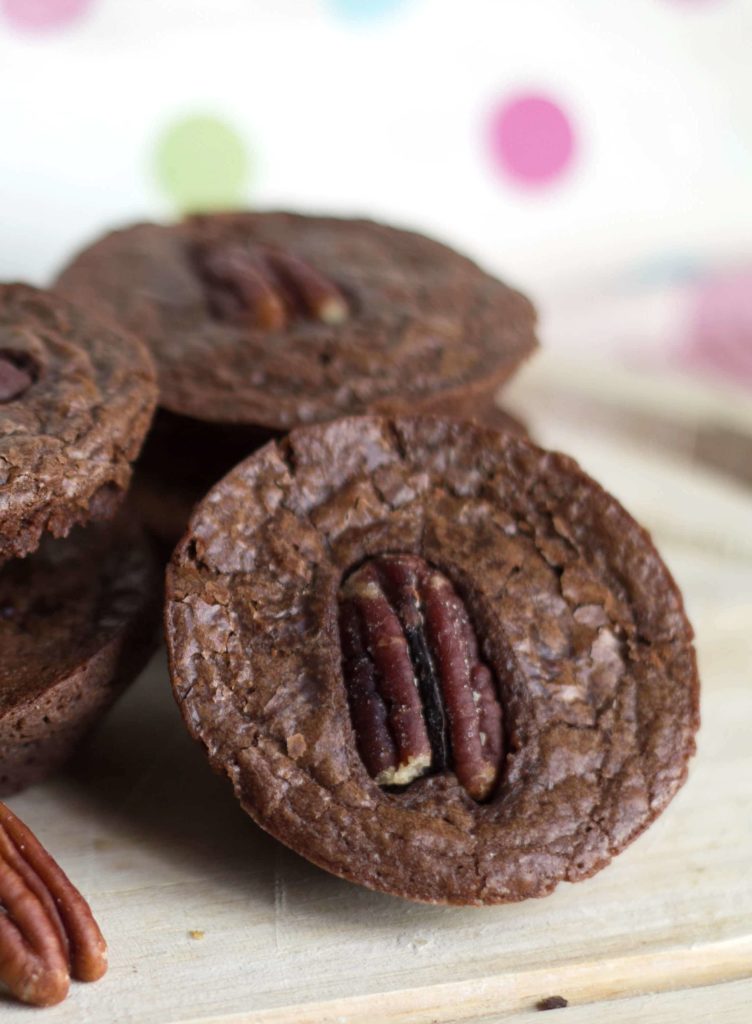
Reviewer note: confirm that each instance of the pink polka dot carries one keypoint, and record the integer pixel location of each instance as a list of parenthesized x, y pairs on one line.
[(39, 15), (719, 339), (531, 139)]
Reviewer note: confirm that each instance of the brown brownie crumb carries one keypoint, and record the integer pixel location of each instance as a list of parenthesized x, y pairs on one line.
[(552, 1003)]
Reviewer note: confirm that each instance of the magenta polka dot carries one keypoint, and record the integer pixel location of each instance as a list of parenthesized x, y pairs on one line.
[(531, 139), (40, 15), (720, 328)]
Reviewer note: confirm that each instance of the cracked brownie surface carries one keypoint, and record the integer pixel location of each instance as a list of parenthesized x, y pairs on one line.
[(278, 319), (76, 399), (78, 619), (545, 584)]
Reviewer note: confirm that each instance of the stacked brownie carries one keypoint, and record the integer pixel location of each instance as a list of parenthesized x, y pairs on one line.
[(429, 656), (78, 612)]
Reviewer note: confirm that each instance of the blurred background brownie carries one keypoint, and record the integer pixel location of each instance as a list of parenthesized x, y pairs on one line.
[(259, 322)]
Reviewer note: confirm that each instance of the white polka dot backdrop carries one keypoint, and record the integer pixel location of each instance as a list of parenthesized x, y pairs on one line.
[(43, 15), (570, 146)]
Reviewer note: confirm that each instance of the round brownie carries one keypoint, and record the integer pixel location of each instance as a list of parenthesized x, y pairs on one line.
[(432, 658), (278, 319), (76, 399), (78, 620)]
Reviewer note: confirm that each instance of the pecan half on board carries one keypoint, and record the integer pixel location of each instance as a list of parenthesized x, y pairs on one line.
[(432, 658), (47, 930)]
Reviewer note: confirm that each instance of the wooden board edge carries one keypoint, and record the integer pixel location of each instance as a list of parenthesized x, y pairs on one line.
[(581, 983)]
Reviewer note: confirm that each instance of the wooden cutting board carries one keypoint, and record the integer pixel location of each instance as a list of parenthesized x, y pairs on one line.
[(209, 919)]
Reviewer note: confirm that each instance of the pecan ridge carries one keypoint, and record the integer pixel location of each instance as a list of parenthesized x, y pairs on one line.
[(264, 288), (421, 699), (47, 930)]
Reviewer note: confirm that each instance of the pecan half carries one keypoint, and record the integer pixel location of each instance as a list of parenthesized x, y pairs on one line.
[(47, 930), (265, 288), (421, 700), (15, 377)]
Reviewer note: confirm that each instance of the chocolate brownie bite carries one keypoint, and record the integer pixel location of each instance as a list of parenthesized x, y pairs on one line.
[(78, 620), (432, 658), (76, 399), (278, 319)]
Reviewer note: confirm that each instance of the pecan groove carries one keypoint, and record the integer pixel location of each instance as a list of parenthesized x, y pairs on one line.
[(421, 700), (47, 931), (265, 288)]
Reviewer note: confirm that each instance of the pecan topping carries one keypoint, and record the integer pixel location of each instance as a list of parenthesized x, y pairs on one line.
[(421, 700), (47, 931), (265, 288), (15, 377)]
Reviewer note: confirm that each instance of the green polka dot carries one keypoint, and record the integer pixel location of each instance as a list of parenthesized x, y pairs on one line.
[(202, 164)]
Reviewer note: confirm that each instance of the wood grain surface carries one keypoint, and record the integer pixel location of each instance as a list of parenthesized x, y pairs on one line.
[(209, 919)]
